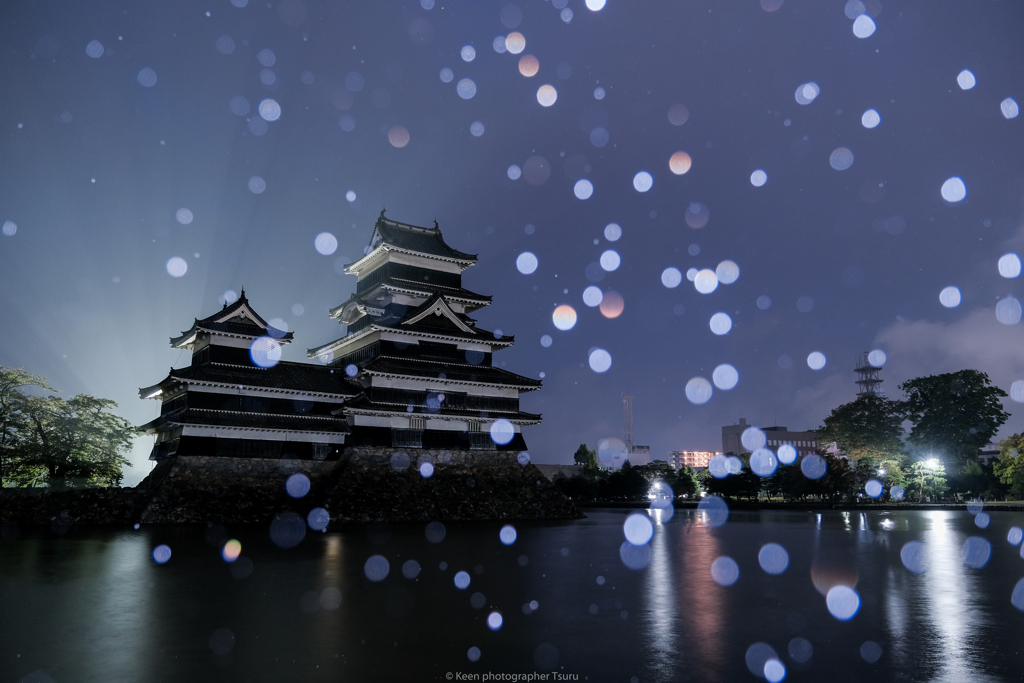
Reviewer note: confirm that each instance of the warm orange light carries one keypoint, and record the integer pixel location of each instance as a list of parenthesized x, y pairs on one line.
[(679, 163), (612, 305), (398, 136), (529, 66)]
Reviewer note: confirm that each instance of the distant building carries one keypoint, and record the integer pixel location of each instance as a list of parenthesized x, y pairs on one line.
[(803, 442), (989, 453), (697, 460)]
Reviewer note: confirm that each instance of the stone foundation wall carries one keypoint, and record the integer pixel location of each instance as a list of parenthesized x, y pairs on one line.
[(362, 486)]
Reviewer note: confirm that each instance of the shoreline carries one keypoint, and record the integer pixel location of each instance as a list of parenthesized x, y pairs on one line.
[(1010, 506)]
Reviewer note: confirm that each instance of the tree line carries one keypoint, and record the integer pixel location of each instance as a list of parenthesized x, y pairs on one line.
[(46, 440), (951, 417)]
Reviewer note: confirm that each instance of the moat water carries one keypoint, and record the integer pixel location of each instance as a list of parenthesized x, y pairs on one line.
[(92, 604)]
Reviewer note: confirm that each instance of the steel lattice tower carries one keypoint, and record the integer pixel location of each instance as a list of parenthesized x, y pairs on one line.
[(627, 402), (868, 376)]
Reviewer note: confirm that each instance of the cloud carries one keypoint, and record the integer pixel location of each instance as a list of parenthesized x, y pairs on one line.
[(975, 341)]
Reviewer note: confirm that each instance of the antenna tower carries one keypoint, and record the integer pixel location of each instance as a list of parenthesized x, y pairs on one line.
[(627, 402), (867, 376)]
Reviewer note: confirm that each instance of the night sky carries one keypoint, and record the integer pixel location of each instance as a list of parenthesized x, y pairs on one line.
[(152, 143)]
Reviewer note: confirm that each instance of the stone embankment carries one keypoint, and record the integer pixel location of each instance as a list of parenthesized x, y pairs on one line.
[(361, 487)]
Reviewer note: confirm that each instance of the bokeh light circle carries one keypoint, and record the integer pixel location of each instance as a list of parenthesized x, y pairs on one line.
[(502, 431), (863, 26), (698, 391), (753, 438), (231, 550), (841, 158), (466, 88), (807, 92), (966, 80), (720, 323), (758, 178), (773, 558), (612, 232), (257, 185), (515, 42), (325, 243), (547, 95), (265, 352), (600, 360), (813, 466), (763, 462), (843, 602), (527, 263), (816, 360), (270, 110), (787, 454), (870, 119), (583, 189), (462, 580), (297, 485), (592, 296), (176, 266), (508, 534), (376, 568), (612, 304), (146, 77), (610, 260), (1009, 108), (954, 190), (671, 277), (529, 66), (1008, 310), (398, 136), (873, 488), (161, 554), (638, 529), (564, 317), (950, 297), (727, 272), (679, 163), (714, 510), (705, 281), (725, 377), (976, 552), (877, 358), (1009, 265), (725, 571), (643, 181), (914, 556)]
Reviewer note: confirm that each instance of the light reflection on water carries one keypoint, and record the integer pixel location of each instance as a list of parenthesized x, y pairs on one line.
[(92, 605)]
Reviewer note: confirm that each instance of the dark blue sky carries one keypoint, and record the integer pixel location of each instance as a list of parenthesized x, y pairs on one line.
[(95, 166)]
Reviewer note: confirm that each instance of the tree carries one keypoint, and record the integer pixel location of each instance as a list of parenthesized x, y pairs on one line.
[(586, 457), (870, 427), (71, 443), (13, 381), (1010, 465), (927, 479), (953, 414)]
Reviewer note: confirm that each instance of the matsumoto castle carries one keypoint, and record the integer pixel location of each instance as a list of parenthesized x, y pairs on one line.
[(412, 371)]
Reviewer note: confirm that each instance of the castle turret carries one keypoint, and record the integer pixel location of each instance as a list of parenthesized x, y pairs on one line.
[(422, 363)]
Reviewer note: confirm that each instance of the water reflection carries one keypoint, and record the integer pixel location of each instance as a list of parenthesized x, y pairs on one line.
[(951, 602), (661, 615), (93, 606)]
